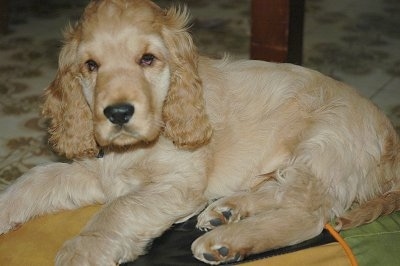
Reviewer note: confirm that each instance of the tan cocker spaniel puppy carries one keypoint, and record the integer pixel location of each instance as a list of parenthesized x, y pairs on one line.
[(284, 149)]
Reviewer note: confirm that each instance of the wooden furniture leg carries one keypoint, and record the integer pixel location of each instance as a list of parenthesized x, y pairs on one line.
[(3, 16), (277, 30)]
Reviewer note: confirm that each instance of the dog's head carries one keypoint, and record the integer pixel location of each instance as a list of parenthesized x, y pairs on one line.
[(127, 73)]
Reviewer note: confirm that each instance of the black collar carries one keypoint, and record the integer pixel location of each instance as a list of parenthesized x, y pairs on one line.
[(100, 154)]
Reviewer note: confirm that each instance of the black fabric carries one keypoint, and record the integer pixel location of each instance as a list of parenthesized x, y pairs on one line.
[(173, 247)]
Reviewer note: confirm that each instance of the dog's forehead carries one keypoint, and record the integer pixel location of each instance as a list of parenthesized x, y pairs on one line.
[(122, 45), (113, 15)]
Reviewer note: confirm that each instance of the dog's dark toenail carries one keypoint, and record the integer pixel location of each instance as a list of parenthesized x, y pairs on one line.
[(235, 259), (227, 214), (224, 251), (216, 222), (209, 257)]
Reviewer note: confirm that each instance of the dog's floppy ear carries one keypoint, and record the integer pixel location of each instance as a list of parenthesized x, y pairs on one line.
[(184, 115), (71, 122)]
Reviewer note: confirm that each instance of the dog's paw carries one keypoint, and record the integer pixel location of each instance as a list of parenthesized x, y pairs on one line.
[(218, 213), (6, 226), (83, 251), (7, 221), (212, 251)]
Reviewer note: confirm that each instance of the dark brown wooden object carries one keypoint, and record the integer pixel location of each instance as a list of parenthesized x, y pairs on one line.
[(277, 30)]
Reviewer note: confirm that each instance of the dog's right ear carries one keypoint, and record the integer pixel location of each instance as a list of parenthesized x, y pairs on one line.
[(71, 121)]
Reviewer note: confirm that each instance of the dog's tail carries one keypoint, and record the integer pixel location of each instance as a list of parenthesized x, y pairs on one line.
[(369, 211)]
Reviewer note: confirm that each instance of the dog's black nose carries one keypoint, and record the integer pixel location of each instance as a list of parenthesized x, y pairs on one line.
[(119, 113)]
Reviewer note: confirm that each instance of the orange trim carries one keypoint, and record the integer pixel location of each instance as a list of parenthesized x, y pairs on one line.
[(343, 243)]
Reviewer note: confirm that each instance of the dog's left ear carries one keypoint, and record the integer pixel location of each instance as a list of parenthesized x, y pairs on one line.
[(184, 114)]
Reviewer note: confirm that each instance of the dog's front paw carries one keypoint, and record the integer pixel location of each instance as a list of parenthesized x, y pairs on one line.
[(84, 251), (8, 221), (211, 249), (6, 226), (218, 213)]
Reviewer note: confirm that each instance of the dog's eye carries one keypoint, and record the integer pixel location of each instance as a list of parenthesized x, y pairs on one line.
[(147, 60), (91, 65)]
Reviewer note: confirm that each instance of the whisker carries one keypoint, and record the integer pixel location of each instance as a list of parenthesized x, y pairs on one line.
[(158, 123)]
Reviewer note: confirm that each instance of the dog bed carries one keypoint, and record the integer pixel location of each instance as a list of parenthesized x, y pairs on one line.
[(37, 242)]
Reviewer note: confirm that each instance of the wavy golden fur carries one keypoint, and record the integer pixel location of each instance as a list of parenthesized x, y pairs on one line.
[(284, 149)]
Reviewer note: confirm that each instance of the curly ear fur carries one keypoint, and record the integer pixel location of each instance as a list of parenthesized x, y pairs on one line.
[(186, 121), (71, 127)]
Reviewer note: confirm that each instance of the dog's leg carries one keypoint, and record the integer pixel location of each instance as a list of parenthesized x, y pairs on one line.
[(237, 207), (46, 189), (289, 210), (124, 228), (255, 234)]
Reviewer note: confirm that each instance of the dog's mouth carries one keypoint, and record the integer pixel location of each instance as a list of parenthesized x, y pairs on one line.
[(123, 135)]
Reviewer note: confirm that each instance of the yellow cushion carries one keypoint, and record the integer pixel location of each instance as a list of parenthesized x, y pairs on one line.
[(36, 243)]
